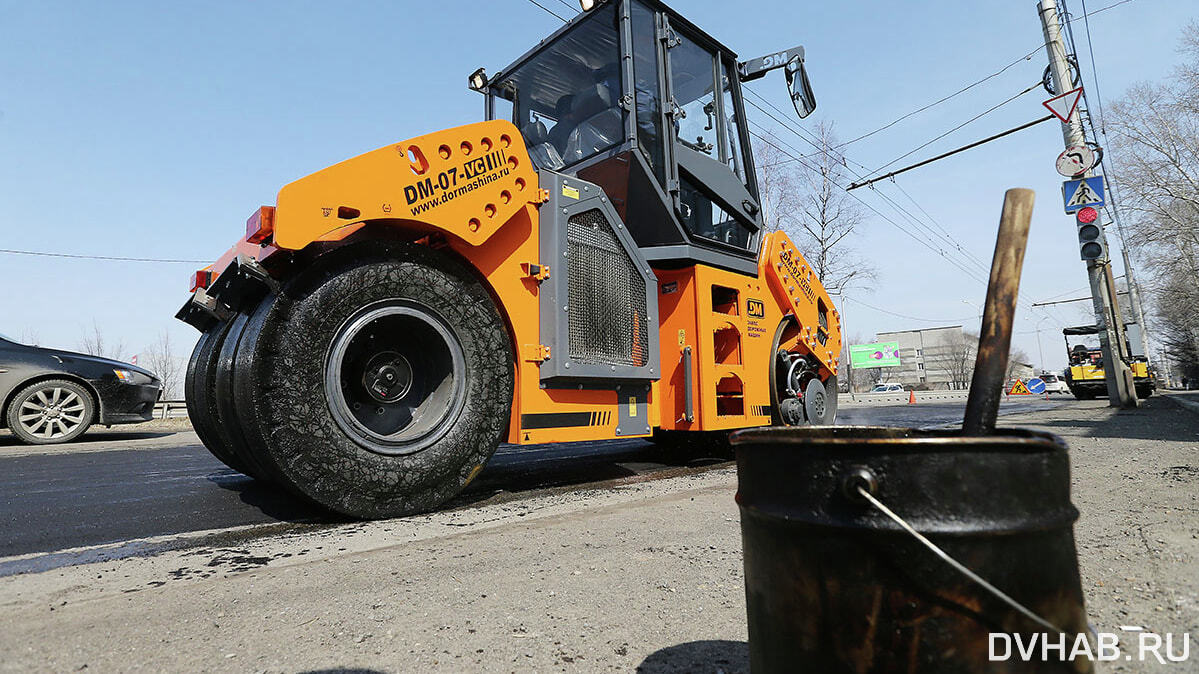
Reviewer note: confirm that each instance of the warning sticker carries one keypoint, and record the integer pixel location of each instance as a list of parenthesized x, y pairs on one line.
[(571, 192), (1019, 389)]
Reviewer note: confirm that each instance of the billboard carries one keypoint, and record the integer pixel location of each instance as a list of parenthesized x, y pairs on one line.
[(882, 354)]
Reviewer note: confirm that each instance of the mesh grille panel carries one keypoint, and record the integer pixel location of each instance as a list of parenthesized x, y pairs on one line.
[(608, 322)]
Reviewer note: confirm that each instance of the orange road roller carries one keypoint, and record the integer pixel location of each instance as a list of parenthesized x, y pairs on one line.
[(589, 263)]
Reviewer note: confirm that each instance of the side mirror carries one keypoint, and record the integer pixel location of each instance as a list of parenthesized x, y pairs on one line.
[(799, 87)]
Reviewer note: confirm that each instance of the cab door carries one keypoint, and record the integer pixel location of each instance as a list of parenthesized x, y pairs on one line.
[(710, 174)]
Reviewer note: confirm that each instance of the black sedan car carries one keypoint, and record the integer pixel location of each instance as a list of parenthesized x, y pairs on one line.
[(53, 396)]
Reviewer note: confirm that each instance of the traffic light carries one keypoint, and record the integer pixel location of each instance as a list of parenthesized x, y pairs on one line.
[(1091, 242)]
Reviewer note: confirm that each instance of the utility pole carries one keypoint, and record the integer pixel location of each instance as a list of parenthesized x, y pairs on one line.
[(1120, 388), (1040, 351), (845, 344), (1134, 288)]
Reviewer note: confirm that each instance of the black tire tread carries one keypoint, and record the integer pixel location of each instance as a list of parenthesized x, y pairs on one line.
[(292, 417), (201, 406), (220, 389)]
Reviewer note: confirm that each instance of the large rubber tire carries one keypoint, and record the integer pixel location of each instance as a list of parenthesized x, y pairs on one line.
[(1144, 392), (201, 405), (51, 412), (282, 395), (229, 423)]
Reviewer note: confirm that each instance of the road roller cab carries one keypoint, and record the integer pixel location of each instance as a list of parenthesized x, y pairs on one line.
[(588, 263)]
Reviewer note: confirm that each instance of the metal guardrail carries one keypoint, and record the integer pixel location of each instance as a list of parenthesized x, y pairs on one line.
[(903, 397), (170, 409)]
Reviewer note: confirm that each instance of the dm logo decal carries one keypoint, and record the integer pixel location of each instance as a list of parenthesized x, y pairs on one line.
[(755, 308)]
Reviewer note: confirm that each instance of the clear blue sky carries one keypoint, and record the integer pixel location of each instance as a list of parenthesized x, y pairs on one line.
[(154, 129)]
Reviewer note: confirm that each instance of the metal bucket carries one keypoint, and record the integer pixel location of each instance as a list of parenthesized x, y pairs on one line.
[(834, 585)]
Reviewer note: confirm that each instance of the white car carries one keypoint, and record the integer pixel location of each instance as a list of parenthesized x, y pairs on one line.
[(1054, 383), (887, 388)]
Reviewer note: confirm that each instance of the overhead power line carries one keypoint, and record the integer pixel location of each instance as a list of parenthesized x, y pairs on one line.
[(1094, 71), (911, 318), (548, 11), (939, 101), (943, 155), (112, 258), (1101, 9), (959, 126)]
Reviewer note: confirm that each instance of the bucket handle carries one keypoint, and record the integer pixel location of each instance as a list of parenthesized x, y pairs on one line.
[(864, 491)]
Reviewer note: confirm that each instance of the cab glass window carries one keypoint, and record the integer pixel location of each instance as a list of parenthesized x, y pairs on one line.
[(646, 88), (733, 155), (567, 97), (693, 77), (706, 219)]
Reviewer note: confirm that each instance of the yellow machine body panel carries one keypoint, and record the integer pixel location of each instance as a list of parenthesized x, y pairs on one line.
[(730, 322), (1140, 370), (1086, 373), (477, 186), (466, 181)]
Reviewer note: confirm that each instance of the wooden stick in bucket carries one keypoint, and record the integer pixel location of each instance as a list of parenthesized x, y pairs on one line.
[(995, 336)]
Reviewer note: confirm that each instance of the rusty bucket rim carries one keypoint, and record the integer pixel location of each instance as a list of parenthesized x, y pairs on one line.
[(937, 439)]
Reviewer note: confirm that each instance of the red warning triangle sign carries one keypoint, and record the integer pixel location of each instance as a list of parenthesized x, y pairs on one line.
[(1063, 106), (1019, 389)]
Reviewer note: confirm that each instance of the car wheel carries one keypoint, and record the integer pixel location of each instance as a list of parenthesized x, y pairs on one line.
[(51, 412), (382, 384)]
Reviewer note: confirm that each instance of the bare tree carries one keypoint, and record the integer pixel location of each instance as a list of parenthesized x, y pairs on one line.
[(1154, 133), (1016, 358), (31, 336), (955, 359), (864, 378), (161, 359), (94, 343), (806, 199)]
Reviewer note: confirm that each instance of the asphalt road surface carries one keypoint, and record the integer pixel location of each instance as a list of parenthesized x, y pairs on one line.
[(125, 485)]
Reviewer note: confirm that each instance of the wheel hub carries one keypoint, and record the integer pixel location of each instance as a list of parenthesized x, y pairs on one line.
[(817, 402), (51, 413), (395, 377), (387, 377)]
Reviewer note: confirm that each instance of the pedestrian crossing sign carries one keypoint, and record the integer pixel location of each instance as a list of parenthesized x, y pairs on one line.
[(1078, 194), (1019, 389)]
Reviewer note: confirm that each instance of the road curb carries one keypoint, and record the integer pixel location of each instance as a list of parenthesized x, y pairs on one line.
[(1188, 404)]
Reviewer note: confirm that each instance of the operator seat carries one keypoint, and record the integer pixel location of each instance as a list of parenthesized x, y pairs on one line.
[(602, 125), (541, 150), (565, 124), (1078, 355)]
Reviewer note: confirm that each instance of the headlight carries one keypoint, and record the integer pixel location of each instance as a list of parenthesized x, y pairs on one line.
[(124, 375)]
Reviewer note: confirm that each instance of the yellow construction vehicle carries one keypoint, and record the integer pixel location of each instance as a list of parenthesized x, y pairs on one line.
[(588, 263), (1085, 375)]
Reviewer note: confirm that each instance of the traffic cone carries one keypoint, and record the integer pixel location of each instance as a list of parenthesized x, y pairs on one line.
[(911, 397)]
